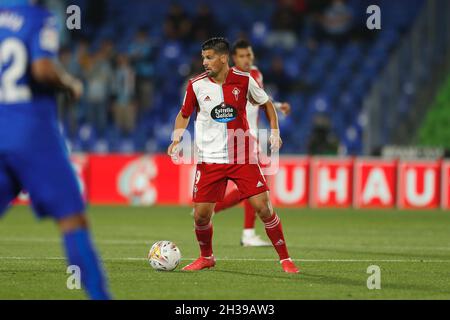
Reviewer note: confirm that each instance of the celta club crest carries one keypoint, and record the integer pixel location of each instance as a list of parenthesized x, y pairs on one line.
[(236, 92)]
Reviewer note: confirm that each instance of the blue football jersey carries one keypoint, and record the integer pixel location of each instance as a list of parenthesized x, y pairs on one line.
[(33, 156), (27, 109)]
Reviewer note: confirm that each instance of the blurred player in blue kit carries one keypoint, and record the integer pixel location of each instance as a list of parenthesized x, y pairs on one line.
[(33, 155)]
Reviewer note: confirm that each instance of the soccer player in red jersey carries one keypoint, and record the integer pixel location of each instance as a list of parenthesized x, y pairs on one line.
[(225, 149), (243, 59)]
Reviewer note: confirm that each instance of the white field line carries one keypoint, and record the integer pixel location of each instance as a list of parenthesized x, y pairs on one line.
[(57, 240), (367, 247), (246, 259)]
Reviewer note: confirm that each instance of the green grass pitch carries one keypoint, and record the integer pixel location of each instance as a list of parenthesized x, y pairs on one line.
[(333, 248)]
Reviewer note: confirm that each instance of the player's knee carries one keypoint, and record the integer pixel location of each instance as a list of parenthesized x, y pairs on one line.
[(263, 211), (202, 221), (202, 217), (72, 223)]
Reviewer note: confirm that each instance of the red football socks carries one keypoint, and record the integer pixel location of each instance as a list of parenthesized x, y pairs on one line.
[(275, 233), (204, 237)]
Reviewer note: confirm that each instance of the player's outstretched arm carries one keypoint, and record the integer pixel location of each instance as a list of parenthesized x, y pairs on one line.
[(181, 124), (47, 72), (271, 113)]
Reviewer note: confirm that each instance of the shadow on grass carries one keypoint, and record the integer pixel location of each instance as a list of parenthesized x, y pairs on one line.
[(386, 285), (294, 277), (397, 255), (307, 278), (327, 280)]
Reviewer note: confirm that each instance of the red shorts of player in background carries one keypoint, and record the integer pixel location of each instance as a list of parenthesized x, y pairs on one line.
[(211, 181)]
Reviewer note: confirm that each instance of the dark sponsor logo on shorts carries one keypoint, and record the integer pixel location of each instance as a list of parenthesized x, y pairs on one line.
[(223, 113)]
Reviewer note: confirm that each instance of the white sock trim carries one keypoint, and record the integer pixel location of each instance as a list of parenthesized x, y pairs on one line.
[(273, 223)]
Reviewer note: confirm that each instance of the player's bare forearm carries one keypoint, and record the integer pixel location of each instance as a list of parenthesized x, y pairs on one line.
[(47, 72), (181, 124), (271, 115)]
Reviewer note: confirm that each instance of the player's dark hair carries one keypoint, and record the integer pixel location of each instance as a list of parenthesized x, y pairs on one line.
[(240, 44), (218, 44)]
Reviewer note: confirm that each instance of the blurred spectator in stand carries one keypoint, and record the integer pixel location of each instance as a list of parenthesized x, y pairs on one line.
[(98, 89), (196, 68), (205, 25), (83, 57), (141, 54), (82, 62), (287, 20), (108, 50), (277, 78), (58, 8), (322, 140), (335, 23), (67, 111), (177, 25), (123, 92)]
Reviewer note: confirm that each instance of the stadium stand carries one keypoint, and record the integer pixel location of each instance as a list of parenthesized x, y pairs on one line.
[(319, 75)]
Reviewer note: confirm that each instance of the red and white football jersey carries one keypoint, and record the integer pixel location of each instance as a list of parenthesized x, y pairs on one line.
[(253, 110), (221, 112)]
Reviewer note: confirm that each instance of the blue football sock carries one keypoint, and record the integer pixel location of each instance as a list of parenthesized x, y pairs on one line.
[(81, 252)]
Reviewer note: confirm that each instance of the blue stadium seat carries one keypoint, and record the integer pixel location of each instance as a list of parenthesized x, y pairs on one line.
[(87, 137), (336, 81), (315, 72), (352, 141), (286, 123), (319, 103)]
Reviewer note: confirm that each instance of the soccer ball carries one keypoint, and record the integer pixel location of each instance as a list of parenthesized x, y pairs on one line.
[(164, 256)]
